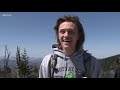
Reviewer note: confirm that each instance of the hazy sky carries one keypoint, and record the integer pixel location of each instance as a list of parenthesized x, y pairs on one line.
[(34, 32)]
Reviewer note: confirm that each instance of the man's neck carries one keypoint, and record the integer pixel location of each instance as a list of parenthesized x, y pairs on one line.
[(69, 52)]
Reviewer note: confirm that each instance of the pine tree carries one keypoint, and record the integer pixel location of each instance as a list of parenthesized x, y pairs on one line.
[(23, 67), (26, 68)]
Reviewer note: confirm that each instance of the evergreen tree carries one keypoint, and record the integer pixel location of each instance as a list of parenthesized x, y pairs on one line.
[(18, 62), (23, 67)]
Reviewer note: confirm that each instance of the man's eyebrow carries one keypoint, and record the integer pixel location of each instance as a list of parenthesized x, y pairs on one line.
[(67, 29)]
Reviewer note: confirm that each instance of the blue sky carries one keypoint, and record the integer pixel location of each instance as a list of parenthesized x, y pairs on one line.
[(34, 32)]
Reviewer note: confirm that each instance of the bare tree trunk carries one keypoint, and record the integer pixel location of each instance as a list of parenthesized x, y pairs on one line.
[(18, 61), (6, 60)]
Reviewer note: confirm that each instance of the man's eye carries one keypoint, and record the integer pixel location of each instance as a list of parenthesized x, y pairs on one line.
[(62, 31), (71, 32)]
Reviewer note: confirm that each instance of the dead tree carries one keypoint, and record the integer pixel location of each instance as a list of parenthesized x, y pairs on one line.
[(18, 60), (7, 69)]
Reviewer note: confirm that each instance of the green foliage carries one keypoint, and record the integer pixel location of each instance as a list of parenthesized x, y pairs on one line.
[(110, 63), (23, 66), (23, 69)]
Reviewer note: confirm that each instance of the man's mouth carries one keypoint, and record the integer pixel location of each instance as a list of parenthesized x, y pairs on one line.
[(67, 41)]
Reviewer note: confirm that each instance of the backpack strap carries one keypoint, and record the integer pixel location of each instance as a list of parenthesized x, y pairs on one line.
[(86, 60), (87, 63), (51, 65)]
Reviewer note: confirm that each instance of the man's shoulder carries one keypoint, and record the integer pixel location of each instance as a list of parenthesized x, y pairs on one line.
[(46, 58), (94, 59), (91, 57), (88, 55)]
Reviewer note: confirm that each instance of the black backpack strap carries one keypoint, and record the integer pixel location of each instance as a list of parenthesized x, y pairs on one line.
[(51, 65), (86, 60), (87, 63)]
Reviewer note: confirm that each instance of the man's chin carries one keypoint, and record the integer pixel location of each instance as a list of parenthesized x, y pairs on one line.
[(67, 46)]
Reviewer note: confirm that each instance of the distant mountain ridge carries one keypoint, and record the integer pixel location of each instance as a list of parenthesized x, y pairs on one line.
[(12, 61), (110, 63), (118, 55), (31, 58)]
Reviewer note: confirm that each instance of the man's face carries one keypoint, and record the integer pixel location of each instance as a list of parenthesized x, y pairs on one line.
[(68, 35)]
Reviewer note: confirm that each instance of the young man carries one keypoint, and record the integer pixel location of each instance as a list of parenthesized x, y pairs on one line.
[(69, 59)]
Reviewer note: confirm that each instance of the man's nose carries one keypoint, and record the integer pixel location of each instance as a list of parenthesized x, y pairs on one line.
[(66, 33)]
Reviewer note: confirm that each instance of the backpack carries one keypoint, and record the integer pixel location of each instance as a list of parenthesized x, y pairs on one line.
[(86, 60)]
